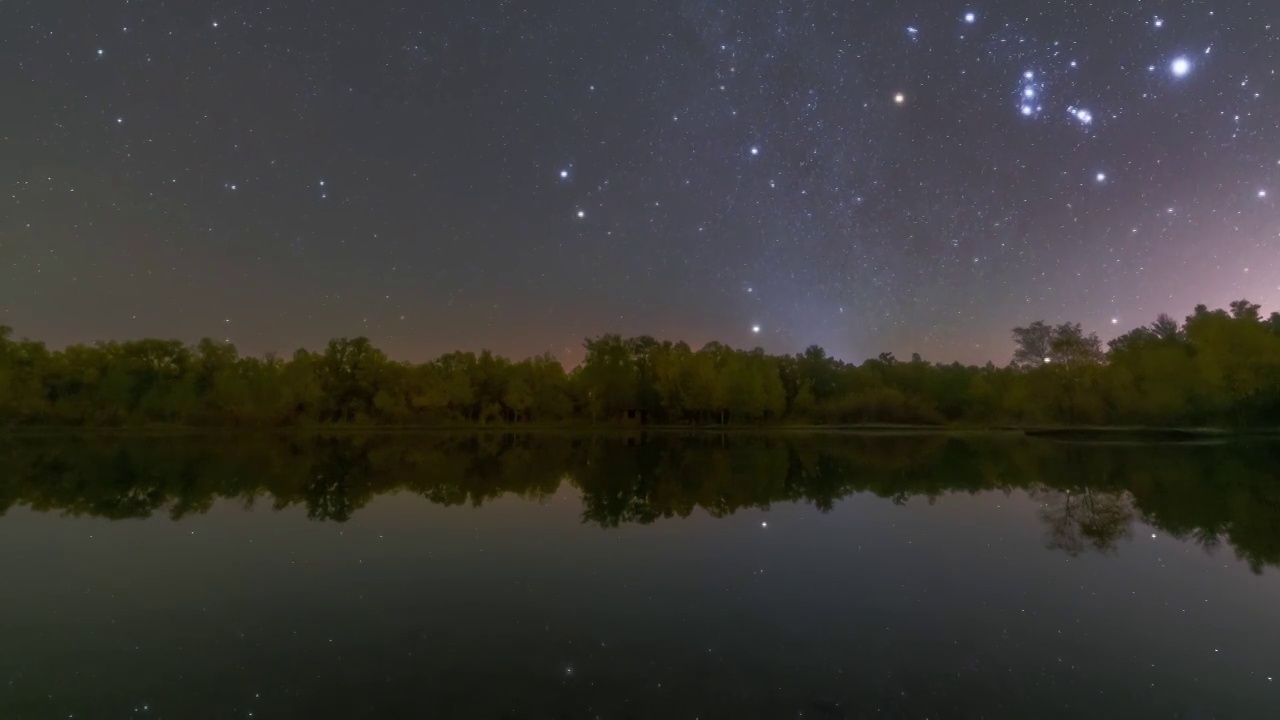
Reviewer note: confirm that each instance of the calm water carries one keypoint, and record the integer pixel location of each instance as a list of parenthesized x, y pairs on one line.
[(815, 576)]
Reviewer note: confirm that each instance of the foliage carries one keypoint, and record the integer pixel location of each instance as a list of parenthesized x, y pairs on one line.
[(1220, 367)]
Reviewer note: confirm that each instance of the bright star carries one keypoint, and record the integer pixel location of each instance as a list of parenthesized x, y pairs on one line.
[(1102, 177), (100, 52), (912, 31), (899, 98), (1115, 321), (1027, 110), (755, 329), (1028, 75), (119, 120), (970, 18), (1084, 116), (1028, 92), (564, 174), (582, 214), (1262, 193), (1158, 22), (755, 150), (1180, 67)]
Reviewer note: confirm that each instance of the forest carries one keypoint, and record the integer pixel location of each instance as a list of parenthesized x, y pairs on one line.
[(1217, 368)]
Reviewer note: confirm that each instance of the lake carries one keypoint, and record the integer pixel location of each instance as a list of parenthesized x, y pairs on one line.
[(663, 576)]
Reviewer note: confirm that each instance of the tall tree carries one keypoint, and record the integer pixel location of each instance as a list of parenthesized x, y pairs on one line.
[(609, 376), (1032, 344)]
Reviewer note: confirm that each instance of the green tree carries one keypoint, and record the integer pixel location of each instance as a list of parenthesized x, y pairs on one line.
[(609, 376), (1032, 345), (348, 372), (518, 398)]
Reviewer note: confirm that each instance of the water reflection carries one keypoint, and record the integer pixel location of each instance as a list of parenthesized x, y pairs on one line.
[(1090, 495)]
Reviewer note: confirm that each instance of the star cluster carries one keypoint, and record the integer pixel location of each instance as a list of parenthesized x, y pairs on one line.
[(908, 177)]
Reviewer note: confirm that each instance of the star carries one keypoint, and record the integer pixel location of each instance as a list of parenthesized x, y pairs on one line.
[(1115, 321), (852, 205)]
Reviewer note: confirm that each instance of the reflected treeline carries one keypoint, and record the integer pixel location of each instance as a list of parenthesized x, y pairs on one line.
[(1090, 495)]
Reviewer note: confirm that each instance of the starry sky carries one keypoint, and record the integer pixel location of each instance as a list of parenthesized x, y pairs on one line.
[(868, 176)]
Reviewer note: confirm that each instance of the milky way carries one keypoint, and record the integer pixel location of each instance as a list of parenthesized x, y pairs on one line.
[(868, 176)]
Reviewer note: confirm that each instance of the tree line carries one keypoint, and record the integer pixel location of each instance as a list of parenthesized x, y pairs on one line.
[(1089, 496), (1218, 367)]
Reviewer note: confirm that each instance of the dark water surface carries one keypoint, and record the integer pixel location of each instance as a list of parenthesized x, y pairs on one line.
[(789, 576)]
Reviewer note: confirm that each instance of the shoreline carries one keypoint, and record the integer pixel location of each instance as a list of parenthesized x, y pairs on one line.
[(1050, 433)]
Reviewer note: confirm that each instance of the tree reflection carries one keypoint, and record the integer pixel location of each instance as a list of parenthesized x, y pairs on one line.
[(1090, 496), (1086, 519)]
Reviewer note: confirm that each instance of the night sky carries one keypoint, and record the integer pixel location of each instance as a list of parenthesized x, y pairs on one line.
[(868, 176)]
